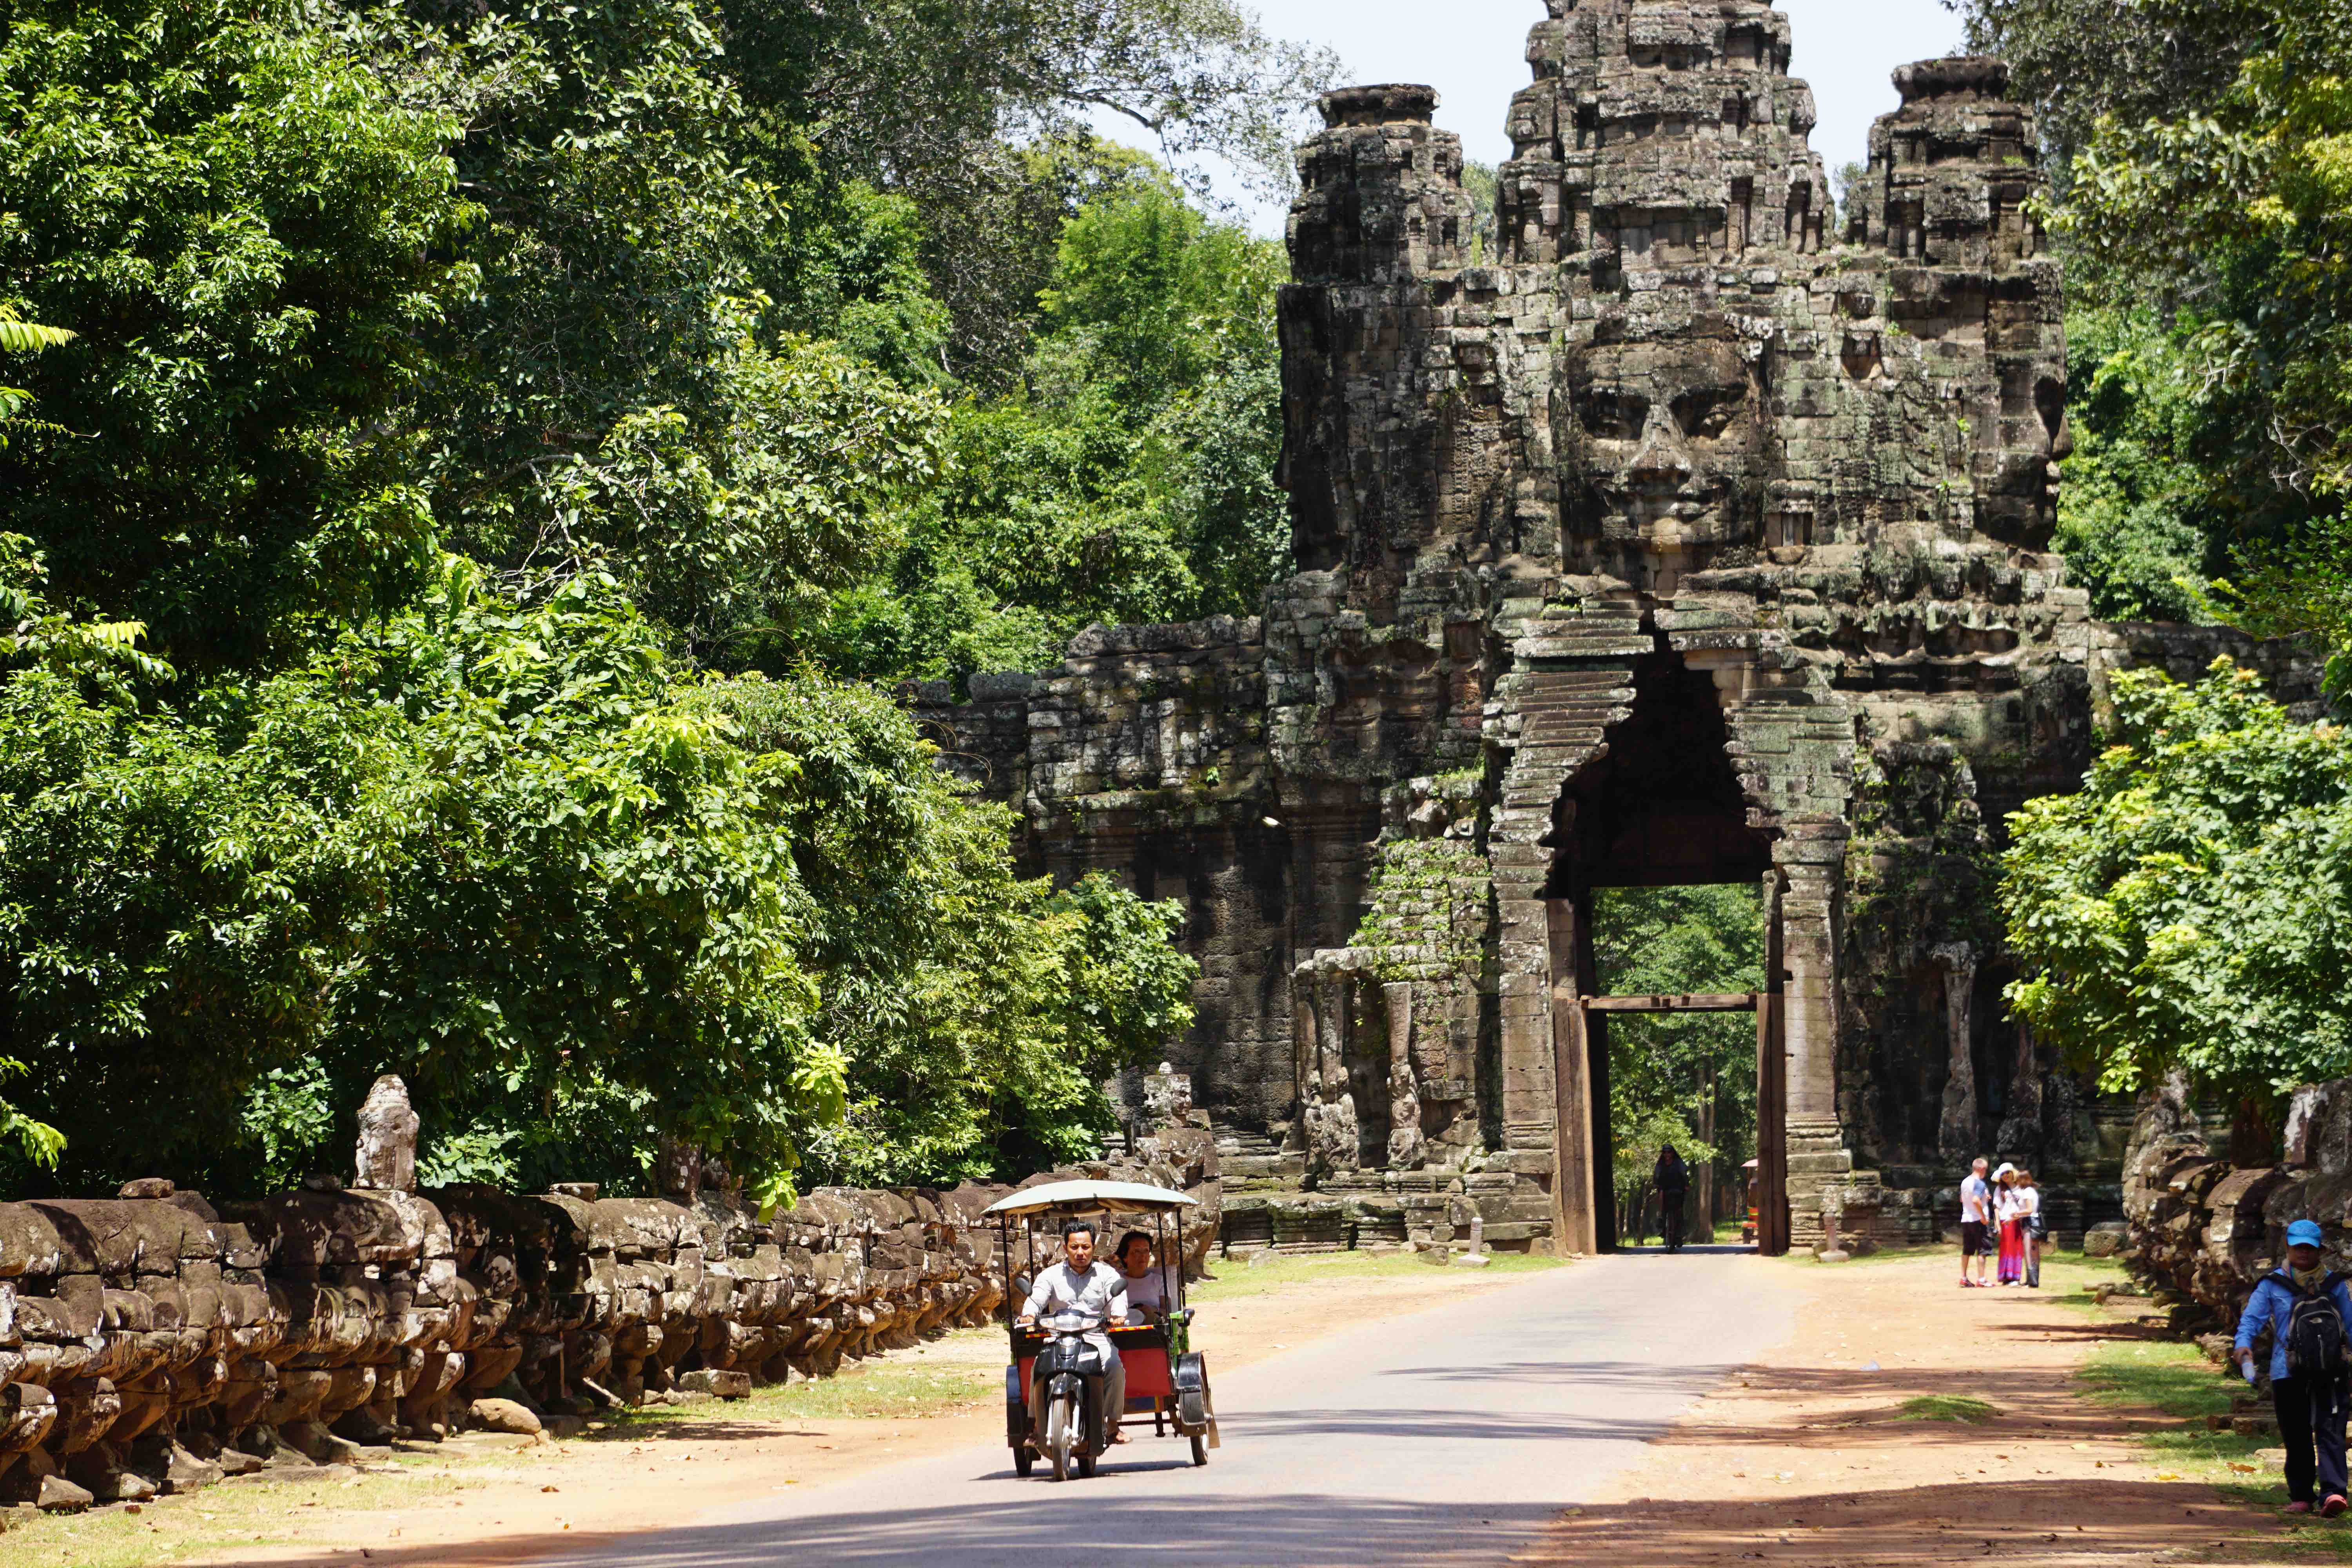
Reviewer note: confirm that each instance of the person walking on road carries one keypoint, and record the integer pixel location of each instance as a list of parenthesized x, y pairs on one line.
[(2309, 1312), (1672, 1178), (1976, 1224)]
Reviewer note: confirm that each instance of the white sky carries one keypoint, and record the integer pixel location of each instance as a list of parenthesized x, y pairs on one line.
[(1474, 53)]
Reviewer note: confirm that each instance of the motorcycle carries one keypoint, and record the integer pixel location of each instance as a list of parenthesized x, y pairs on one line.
[(1073, 1371)]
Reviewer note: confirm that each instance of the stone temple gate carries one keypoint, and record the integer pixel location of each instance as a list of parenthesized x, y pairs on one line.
[(1692, 535)]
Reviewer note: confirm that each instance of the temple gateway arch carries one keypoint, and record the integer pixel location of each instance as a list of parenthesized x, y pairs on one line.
[(1683, 530)]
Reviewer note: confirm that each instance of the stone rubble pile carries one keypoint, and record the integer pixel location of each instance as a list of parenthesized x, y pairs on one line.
[(151, 1342), (2201, 1229)]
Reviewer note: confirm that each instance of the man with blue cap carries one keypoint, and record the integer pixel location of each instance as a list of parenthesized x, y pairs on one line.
[(2309, 1314)]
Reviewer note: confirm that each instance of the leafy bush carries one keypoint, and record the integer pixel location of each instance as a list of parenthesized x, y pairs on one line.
[(2192, 906)]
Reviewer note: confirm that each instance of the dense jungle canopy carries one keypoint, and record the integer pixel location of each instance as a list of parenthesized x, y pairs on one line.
[(469, 477), (2188, 909)]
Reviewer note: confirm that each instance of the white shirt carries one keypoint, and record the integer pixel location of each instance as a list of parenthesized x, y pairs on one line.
[(1148, 1289), (1087, 1300), (1975, 1199)]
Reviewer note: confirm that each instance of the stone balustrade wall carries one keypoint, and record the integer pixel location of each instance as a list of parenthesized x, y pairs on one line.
[(154, 1342), (2201, 1229)]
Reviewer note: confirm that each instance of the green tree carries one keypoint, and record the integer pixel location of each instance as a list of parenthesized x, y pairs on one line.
[(1130, 480), (2201, 150), (2080, 62), (948, 103), (609, 297), (1671, 1077), (618, 391), (977, 1013), (247, 232), (486, 844), (2192, 906), (18, 336), (2136, 520)]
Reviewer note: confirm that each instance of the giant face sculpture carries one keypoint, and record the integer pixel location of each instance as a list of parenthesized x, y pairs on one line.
[(1670, 455)]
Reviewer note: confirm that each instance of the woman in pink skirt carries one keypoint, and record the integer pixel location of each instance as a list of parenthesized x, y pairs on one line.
[(2009, 1209)]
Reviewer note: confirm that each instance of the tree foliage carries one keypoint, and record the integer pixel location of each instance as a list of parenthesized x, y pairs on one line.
[(978, 1011), (458, 431), (2192, 906), (482, 844), (1664, 1068), (245, 230), (941, 101), (1130, 480), (2204, 157), (2135, 516)]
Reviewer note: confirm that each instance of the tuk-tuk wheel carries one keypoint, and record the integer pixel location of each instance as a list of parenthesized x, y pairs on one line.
[(1199, 1449), (1022, 1460)]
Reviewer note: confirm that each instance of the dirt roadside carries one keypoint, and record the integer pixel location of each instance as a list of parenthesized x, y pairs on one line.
[(479, 1503), (1813, 1457)]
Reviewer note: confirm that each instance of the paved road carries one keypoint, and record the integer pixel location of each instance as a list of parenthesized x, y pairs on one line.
[(1452, 1436)]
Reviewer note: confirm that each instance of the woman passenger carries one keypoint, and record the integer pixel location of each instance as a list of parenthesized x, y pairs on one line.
[(1147, 1286)]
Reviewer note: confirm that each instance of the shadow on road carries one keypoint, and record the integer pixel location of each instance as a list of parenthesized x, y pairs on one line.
[(2019, 1523), (1288, 1528), (1694, 1249)]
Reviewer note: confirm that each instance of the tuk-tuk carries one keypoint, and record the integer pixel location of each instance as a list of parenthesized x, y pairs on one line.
[(1166, 1378)]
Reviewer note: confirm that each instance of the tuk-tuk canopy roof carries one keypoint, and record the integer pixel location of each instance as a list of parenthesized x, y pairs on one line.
[(1107, 1198)]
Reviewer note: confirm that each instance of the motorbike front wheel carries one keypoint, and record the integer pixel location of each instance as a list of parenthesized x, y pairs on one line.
[(1061, 1421)]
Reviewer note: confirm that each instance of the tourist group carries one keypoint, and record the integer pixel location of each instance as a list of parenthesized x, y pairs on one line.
[(2000, 1217)]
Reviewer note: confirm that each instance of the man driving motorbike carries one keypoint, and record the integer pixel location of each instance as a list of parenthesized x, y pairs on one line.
[(1080, 1292)]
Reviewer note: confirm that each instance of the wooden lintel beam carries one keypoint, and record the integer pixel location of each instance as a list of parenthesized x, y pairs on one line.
[(1743, 1002)]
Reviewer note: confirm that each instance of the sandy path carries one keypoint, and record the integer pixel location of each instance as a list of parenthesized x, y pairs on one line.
[(513, 1506), (1803, 1459)]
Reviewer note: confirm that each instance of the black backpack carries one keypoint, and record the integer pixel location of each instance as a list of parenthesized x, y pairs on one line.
[(2314, 1330)]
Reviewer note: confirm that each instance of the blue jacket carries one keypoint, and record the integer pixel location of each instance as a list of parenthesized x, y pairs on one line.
[(2271, 1305)]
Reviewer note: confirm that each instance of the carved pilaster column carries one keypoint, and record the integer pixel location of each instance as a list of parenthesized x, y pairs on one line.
[(1331, 1136), (1957, 1132), (1303, 1027), (1404, 1097)]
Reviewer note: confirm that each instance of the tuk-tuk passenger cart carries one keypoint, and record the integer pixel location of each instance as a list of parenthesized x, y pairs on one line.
[(1166, 1378)]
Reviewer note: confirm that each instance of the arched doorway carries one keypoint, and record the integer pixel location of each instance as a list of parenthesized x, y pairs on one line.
[(1657, 805)]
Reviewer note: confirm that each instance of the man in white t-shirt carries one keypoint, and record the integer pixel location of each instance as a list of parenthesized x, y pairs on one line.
[(1978, 1237)]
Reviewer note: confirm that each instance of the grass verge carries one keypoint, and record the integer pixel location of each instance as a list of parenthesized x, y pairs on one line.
[(236, 1516), (1946, 1407), (2177, 1379), (1233, 1276), (958, 1372)]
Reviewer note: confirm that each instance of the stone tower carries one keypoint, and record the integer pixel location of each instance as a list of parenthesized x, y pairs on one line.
[(1690, 535)]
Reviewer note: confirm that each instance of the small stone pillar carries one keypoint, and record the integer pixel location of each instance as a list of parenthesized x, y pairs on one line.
[(1833, 1210), (387, 1146), (1475, 1257)]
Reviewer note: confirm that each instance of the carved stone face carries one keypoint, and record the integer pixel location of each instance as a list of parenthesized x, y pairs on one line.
[(1673, 451)]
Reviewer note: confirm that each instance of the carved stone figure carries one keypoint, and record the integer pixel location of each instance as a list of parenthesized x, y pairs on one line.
[(387, 1147)]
